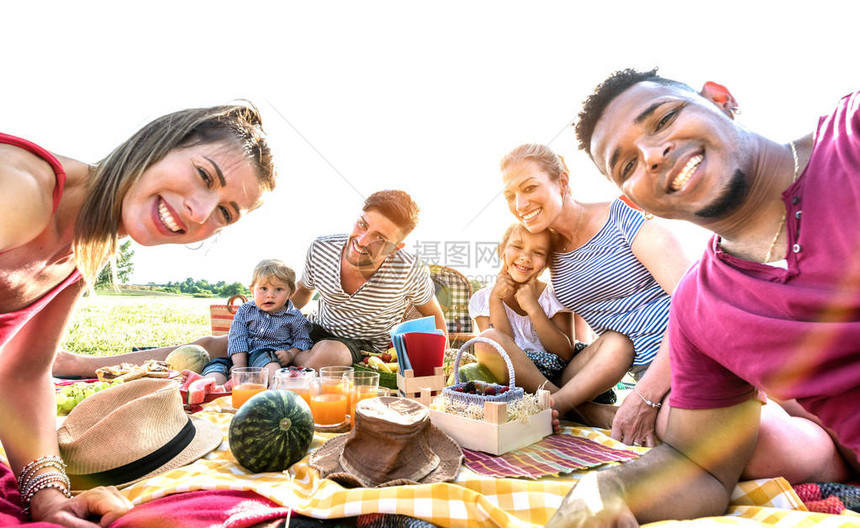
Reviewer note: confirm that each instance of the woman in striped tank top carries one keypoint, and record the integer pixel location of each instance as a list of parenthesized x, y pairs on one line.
[(616, 270)]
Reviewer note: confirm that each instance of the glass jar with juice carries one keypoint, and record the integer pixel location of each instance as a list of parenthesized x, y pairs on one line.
[(295, 379)]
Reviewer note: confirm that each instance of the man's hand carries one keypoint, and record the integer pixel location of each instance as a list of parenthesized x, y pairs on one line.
[(635, 423), (593, 503)]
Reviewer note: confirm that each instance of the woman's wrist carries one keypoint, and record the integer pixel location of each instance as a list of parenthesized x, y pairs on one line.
[(45, 501)]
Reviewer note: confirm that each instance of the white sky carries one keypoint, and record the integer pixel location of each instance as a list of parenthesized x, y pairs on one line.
[(427, 97)]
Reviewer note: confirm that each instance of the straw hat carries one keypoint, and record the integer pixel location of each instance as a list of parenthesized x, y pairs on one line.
[(393, 443), (130, 432)]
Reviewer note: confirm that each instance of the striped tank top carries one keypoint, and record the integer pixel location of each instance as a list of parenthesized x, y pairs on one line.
[(606, 285), (377, 305)]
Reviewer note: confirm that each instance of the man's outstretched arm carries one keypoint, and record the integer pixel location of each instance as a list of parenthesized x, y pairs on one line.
[(691, 475)]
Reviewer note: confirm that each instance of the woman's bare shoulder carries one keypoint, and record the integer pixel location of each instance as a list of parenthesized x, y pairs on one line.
[(26, 196)]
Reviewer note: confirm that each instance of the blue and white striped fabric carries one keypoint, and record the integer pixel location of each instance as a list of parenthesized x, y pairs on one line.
[(606, 285)]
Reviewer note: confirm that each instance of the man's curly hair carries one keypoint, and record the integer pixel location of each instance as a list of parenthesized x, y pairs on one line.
[(605, 92)]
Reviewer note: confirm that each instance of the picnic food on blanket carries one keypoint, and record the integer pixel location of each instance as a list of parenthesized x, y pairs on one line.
[(194, 393), (393, 443), (385, 362), (473, 372), (68, 396), (198, 389), (272, 431), (132, 431), (188, 357), (128, 371), (378, 364), (477, 392)]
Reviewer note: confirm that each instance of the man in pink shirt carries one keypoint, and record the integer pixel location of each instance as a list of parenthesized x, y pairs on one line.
[(773, 306)]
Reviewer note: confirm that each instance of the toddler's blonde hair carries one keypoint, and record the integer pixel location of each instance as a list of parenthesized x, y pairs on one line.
[(274, 268)]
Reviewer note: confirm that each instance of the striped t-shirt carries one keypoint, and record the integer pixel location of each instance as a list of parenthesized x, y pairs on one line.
[(377, 305), (606, 285)]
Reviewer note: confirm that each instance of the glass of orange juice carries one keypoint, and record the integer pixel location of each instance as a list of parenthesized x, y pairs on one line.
[(295, 379), (247, 381), (337, 371), (334, 371), (362, 385), (329, 402)]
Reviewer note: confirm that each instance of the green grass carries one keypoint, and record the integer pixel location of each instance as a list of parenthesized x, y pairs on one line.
[(110, 324)]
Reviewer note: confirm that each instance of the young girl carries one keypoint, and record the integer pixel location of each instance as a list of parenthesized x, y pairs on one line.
[(525, 309), (523, 314)]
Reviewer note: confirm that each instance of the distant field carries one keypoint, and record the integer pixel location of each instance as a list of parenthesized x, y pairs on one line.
[(111, 323)]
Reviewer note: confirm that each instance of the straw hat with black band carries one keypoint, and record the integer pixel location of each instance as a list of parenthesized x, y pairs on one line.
[(393, 443), (131, 432)]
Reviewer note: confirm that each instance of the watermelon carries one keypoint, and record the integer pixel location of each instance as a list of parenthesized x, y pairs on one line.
[(271, 431), (474, 372), (198, 389)]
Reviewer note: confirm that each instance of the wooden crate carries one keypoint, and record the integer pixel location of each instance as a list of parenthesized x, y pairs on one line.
[(410, 386), (492, 434)]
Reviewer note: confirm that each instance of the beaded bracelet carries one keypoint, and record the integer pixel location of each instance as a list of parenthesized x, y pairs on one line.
[(40, 463), (53, 476), (648, 402), (43, 485)]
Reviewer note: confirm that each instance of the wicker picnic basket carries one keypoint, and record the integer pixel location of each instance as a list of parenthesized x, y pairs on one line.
[(503, 393)]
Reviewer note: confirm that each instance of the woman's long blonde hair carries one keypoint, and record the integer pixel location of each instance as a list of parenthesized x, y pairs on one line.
[(97, 225)]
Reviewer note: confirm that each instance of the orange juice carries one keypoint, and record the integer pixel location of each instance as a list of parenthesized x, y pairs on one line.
[(331, 385), (357, 394), (304, 393), (241, 393), (329, 409)]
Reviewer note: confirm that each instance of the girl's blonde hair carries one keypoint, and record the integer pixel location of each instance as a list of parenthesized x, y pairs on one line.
[(550, 162), (274, 268), (97, 226)]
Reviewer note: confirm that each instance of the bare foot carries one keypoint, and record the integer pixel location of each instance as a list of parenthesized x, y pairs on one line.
[(595, 414)]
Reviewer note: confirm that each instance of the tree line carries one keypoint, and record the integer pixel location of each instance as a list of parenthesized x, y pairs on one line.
[(200, 288)]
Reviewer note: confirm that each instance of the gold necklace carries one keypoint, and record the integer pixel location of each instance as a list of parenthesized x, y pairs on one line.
[(782, 220)]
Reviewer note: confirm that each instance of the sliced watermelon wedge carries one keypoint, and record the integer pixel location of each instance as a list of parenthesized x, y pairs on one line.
[(198, 389)]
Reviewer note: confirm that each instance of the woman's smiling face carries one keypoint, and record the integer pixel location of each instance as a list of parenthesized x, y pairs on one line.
[(189, 195), (532, 195)]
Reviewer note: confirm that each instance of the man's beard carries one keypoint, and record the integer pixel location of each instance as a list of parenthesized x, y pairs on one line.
[(731, 198), (362, 261)]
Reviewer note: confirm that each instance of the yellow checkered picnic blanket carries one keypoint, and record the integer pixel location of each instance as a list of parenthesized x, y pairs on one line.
[(470, 501)]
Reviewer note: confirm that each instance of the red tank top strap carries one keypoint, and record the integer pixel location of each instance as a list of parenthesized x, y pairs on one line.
[(45, 155), (629, 202)]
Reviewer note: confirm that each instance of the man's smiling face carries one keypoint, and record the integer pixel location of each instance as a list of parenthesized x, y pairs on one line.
[(673, 152)]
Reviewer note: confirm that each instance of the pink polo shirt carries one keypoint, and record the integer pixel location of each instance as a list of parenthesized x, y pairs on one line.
[(736, 326)]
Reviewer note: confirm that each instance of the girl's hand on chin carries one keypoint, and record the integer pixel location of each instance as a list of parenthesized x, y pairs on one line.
[(504, 285), (527, 295)]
